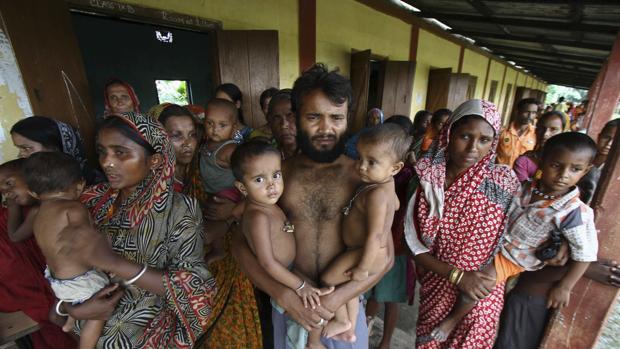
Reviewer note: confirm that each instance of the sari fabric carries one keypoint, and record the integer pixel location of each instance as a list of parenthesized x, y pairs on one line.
[(163, 230), (235, 322), (72, 145), (463, 226), (156, 110)]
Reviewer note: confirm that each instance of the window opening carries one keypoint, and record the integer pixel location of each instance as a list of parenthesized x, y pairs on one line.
[(173, 91)]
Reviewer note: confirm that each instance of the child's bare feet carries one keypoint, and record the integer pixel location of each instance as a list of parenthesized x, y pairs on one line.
[(347, 336), (335, 328), (441, 332)]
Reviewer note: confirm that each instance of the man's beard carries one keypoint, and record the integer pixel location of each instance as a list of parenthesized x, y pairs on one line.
[(322, 156)]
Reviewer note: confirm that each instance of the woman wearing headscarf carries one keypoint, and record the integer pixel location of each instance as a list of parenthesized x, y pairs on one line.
[(40, 133), (156, 238), (119, 97), (234, 322), (455, 220), (22, 284)]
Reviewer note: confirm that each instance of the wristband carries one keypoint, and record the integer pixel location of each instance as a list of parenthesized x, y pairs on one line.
[(135, 278), (58, 309), (303, 284)]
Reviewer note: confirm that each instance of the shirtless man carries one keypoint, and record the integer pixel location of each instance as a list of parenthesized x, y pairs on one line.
[(320, 182)]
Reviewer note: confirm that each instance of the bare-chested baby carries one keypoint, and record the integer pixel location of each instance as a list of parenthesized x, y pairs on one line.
[(55, 179), (257, 169), (368, 219)]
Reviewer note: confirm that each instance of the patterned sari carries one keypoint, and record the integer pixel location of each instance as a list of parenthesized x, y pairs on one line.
[(163, 230), (462, 226), (234, 322)]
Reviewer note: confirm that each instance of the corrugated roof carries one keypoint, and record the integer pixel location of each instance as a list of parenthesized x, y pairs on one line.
[(562, 42)]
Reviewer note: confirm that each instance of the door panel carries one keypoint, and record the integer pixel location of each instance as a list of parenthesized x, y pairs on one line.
[(457, 93), (249, 59), (360, 78), (397, 87), (438, 88)]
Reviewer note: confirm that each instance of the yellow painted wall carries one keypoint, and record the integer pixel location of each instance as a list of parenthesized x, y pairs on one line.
[(433, 52), (511, 75), (280, 15), (496, 72), (343, 25), (476, 65), (14, 103), (520, 79)]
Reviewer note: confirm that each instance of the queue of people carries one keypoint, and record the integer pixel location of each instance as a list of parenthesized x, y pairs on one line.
[(196, 231)]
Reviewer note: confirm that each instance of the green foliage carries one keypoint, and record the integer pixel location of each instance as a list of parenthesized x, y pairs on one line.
[(570, 94), (172, 91)]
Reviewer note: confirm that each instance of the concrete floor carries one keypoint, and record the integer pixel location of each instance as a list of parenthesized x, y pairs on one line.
[(404, 334)]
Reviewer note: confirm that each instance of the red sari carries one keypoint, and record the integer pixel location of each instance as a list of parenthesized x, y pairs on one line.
[(462, 226), (23, 287)]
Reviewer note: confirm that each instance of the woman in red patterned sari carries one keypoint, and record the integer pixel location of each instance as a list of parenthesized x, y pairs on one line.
[(455, 222)]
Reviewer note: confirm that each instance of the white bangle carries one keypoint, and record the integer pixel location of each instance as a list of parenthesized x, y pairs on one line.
[(135, 278), (58, 309), (303, 283)]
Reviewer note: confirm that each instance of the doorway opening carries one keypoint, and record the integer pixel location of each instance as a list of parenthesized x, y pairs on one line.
[(375, 84)]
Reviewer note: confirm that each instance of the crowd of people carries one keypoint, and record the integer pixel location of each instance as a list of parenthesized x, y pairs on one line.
[(195, 230)]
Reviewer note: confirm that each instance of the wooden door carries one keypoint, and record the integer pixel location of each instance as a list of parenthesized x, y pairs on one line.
[(360, 78), (397, 87), (438, 87), (249, 59), (50, 61), (457, 91)]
